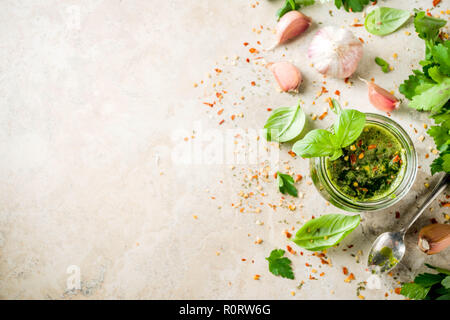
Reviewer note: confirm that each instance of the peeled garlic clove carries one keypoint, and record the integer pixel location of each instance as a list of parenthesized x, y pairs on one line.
[(287, 75), (434, 238), (291, 25), (381, 98), (335, 52)]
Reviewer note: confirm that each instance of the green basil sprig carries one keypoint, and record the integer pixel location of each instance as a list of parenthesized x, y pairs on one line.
[(322, 143), (383, 21), (286, 184), (326, 231), (284, 124)]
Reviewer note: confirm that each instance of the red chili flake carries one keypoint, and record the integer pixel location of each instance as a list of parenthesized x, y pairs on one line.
[(311, 277), (323, 115), (245, 43), (433, 221), (253, 83), (353, 158), (372, 146), (397, 215), (313, 217), (445, 204), (429, 14), (322, 274), (220, 112), (324, 261), (219, 95), (298, 177), (248, 60), (233, 116), (258, 42), (275, 175), (209, 104), (337, 92), (398, 290), (290, 250), (359, 143), (292, 153), (396, 159), (301, 253), (269, 109), (218, 70), (374, 3), (243, 259), (357, 25), (346, 80), (307, 264), (253, 50), (222, 121), (345, 270), (436, 2), (288, 234), (361, 39)]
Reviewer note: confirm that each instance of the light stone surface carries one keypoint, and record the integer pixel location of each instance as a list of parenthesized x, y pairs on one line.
[(97, 97)]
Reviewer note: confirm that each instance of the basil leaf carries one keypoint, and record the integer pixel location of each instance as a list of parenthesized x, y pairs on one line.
[(440, 270), (353, 5), (349, 127), (444, 297), (316, 143), (383, 21), (285, 124), (383, 64), (286, 184), (414, 291), (326, 231), (446, 282), (279, 265)]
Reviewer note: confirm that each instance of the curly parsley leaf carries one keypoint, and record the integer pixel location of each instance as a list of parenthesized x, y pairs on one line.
[(286, 184), (441, 55), (279, 265), (434, 98)]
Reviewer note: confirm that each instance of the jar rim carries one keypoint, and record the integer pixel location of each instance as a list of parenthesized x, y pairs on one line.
[(409, 172)]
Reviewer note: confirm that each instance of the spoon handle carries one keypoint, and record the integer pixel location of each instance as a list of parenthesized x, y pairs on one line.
[(438, 188)]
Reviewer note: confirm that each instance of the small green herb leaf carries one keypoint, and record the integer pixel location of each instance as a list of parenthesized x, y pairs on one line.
[(286, 184), (326, 231), (353, 5), (285, 124), (414, 291), (434, 98), (428, 279), (349, 127), (446, 282), (383, 21), (383, 64), (279, 265), (290, 5), (316, 143)]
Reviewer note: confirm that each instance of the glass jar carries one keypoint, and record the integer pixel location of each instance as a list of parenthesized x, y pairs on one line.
[(407, 175)]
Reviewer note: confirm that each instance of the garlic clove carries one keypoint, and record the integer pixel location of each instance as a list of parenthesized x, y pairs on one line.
[(287, 75), (291, 25), (434, 238), (335, 52), (380, 98)]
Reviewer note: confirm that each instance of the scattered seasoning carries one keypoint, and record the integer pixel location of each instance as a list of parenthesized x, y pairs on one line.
[(256, 277), (350, 278)]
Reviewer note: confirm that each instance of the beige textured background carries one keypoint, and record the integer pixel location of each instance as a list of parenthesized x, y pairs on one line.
[(92, 95)]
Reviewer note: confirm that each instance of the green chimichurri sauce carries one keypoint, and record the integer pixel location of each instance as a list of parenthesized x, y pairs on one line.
[(371, 167)]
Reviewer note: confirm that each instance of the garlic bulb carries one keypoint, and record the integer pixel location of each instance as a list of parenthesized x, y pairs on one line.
[(381, 98), (335, 52), (291, 25), (434, 238), (287, 75)]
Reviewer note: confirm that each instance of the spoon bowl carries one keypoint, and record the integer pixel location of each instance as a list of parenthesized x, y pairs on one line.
[(386, 252)]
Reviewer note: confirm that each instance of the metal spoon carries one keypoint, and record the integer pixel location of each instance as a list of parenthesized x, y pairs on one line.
[(389, 248)]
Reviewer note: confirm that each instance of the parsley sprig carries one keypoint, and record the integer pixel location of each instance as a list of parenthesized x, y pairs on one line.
[(429, 88)]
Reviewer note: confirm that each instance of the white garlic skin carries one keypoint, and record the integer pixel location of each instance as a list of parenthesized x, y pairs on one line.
[(335, 52)]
